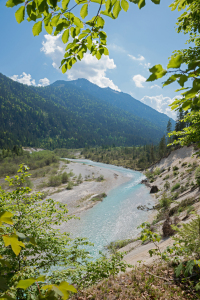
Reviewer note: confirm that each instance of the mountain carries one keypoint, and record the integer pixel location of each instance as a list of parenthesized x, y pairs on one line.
[(66, 116), (121, 100)]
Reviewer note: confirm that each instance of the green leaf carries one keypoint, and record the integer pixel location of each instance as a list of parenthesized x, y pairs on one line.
[(156, 1), (64, 68), (171, 79), (20, 14), (116, 9), (158, 72), (5, 217), (141, 4), (55, 20), (49, 28), (12, 3), (13, 242), (108, 6), (37, 28), (47, 19), (3, 284), (106, 52), (84, 11), (78, 22), (124, 5), (24, 284), (100, 22), (175, 62), (182, 80), (65, 36), (65, 4)]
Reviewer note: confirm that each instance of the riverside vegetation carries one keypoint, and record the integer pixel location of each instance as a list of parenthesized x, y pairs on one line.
[(184, 255)]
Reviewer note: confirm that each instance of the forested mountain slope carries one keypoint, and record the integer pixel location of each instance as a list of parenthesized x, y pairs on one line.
[(53, 117), (121, 100)]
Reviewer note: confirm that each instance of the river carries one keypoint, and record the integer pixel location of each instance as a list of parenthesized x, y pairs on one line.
[(117, 216)]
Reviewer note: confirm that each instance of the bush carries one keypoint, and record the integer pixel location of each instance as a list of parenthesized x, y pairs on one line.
[(167, 185), (165, 201), (79, 179), (175, 187), (55, 180), (70, 185), (157, 171), (197, 176), (175, 196), (175, 173), (184, 164), (64, 177), (100, 178), (175, 168), (166, 177)]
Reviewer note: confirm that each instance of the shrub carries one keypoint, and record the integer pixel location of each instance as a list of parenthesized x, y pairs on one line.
[(175, 196), (167, 185), (183, 189), (197, 175), (184, 164), (175, 173), (148, 174), (175, 187), (55, 180), (175, 168), (157, 171), (166, 177), (100, 178), (79, 179), (70, 185), (165, 201), (64, 177)]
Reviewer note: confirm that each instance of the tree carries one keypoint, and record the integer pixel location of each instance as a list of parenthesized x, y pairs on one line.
[(56, 17), (169, 129), (33, 244), (162, 146), (184, 68)]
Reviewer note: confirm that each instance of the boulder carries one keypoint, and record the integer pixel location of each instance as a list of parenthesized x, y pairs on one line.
[(154, 189)]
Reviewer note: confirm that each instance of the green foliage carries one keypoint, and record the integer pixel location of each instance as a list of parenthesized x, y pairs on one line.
[(57, 17), (197, 175), (64, 116), (165, 201), (69, 185), (166, 177), (100, 178), (116, 245), (167, 185), (65, 177), (157, 171), (175, 168), (175, 187), (29, 244)]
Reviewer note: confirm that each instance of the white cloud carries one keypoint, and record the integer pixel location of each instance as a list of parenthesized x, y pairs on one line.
[(140, 58), (161, 104), (155, 86), (44, 82), (139, 79), (147, 65), (24, 78), (89, 67), (27, 79)]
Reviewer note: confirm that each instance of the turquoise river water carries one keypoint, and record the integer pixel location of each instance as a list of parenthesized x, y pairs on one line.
[(117, 216)]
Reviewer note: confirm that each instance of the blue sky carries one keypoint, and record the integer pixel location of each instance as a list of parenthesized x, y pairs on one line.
[(137, 40)]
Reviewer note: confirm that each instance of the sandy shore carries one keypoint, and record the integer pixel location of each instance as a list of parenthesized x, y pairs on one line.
[(80, 197)]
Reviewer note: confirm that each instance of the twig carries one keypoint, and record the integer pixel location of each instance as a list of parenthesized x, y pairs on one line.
[(159, 277)]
